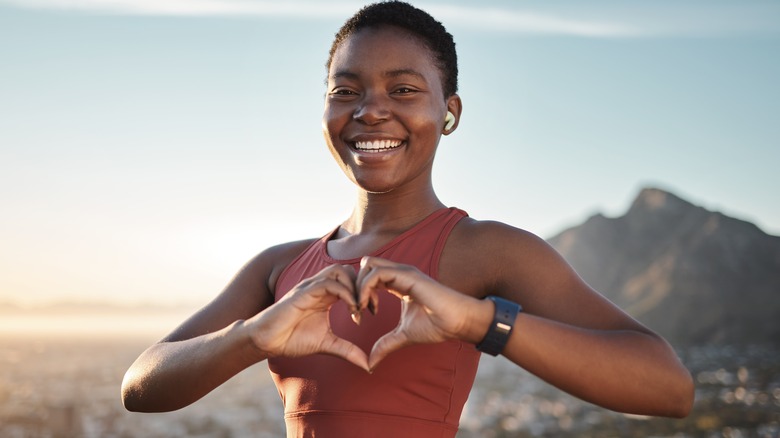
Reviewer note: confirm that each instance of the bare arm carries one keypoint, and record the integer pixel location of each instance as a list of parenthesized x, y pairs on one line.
[(575, 339), (241, 327), (170, 375), (623, 370)]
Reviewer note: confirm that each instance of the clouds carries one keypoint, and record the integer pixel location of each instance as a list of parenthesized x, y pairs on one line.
[(596, 19), (656, 19), (520, 21), (295, 9)]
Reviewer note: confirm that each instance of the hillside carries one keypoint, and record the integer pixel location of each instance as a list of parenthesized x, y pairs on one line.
[(694, 275)]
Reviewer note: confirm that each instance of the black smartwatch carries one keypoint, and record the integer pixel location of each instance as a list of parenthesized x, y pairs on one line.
[(503, 321)]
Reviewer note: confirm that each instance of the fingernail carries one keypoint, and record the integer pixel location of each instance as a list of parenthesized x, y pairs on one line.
[(372, 307), (356, 317)]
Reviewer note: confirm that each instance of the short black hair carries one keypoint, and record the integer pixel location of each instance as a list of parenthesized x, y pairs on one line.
[(418, 23)]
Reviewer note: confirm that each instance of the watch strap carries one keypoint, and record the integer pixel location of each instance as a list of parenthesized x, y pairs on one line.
[(503, 322)]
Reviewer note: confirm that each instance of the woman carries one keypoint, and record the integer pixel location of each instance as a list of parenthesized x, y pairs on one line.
[(376, 328)]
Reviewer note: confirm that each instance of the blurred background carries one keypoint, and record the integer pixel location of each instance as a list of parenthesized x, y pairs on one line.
[(149, 148)]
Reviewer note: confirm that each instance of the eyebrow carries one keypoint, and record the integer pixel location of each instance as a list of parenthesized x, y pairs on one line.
[(391, 74), (404, 72)]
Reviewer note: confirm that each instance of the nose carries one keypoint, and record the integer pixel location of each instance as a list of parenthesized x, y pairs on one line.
[(371, 109)]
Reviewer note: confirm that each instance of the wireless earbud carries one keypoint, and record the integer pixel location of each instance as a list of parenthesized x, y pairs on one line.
[(449, 121)]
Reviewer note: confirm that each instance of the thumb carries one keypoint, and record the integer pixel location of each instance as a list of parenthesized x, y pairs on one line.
[(385, 345), (336, 346)]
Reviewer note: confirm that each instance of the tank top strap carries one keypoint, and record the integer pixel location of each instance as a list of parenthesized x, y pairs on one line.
[(454, 216), (421, 246)]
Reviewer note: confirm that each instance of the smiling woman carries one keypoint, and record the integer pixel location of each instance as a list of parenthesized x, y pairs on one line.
[(438, 286), (386, 107)]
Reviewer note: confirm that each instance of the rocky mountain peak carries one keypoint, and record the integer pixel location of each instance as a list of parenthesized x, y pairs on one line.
[(696, 276), (653, 199)]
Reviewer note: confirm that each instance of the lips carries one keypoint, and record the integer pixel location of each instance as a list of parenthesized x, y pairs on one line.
[(377, 145)]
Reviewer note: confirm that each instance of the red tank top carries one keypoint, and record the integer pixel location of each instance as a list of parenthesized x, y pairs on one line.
[(418, 391)]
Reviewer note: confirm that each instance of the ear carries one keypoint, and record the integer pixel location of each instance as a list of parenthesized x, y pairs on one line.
[(455, 106)]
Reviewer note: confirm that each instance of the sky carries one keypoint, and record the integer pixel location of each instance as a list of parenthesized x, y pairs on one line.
[(149, 148)]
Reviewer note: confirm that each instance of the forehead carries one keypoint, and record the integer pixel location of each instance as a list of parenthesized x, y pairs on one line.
[(383, 47)]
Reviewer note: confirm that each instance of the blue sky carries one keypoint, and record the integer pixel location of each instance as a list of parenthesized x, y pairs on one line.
[(149, 148)]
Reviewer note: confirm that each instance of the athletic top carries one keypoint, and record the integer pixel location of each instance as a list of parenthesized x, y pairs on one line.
[(417, 391)]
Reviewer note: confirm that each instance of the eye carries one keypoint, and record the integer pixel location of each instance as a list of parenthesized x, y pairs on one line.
[(404, 91), (342, 92)]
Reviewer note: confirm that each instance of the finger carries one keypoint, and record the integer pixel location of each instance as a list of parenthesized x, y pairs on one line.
[(368, 298), (344, 274), (322, 293), (344, 293), (397, 279), (368, 264), (385, 345), (336, 346)]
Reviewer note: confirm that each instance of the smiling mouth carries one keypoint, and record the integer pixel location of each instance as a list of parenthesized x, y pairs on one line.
[(377, 146)]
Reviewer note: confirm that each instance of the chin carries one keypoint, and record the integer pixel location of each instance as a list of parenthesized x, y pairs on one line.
[(375, 190), (374, 187)]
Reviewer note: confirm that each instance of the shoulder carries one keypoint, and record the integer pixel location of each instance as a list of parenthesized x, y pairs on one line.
[(495, 241), (488, 230), (269, 264), (499, 255)]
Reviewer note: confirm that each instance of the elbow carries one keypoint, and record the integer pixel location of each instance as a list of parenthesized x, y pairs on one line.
[(139, 394), (671, 395), (132, 394), (680, 397), (129, 402), (674, 401), (134, 401), (683, 403)]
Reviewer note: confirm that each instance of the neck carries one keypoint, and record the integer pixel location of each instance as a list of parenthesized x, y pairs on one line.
[(392, 212)]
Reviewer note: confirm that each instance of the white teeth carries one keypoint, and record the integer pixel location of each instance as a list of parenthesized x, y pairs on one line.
[(377, 146)]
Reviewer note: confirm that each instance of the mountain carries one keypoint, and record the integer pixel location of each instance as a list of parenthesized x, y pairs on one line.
[(693, 275)]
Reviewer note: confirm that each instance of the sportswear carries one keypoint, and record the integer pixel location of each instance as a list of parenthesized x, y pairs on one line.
[(417, 391)]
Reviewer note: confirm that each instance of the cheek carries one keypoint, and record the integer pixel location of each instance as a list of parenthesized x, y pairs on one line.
[(329, 129), (428, 125), (333, 121)]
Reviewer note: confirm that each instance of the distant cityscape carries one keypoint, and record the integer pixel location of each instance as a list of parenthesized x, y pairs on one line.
[(58, 387)]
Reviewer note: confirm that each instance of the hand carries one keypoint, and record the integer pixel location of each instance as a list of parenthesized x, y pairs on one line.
[(298, 324), (430, 312)]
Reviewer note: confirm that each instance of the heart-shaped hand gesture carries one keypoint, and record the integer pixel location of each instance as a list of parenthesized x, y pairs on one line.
[(430, 312), (298, 325)]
